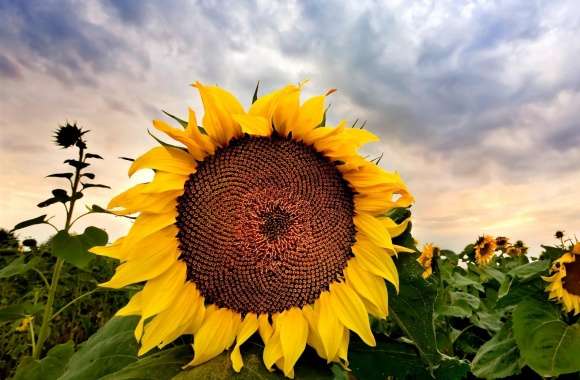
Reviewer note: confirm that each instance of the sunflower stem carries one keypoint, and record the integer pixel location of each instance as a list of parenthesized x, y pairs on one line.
[(32, 337), (74, 301), (48, 308)]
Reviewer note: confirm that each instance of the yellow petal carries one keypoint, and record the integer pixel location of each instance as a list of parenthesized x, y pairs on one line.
[(146, 224), (254, 125), (114, 250), (247, 329), (217, 331), (293, 335), (266, 105), (373, 229), (376, 260), (286, 111), (219, 106), (351, 311), (165, 159), (182, 136), (133, 307), (163, 182), (272, 350), (343, 350), (368, 286), (314, 339), (134, 200), (162, 329), (328, 326), (264, 328), (394, 228), (142, 269), (309, 117), (160, 292), (203, 141)]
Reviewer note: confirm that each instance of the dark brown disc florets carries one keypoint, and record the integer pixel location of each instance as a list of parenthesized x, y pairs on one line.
[(572, 280), (265, 224)]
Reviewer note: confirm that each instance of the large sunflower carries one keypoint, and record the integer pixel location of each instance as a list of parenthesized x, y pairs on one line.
[(565, 281), (265, 221)]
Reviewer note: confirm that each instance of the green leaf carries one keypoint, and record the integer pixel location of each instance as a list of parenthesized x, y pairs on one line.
[(496, 274), (499, 357), (220, 368), (74, 248), (161, 365), (181, 122), (109, 350), (61, 175), (77, 164), (87, 185), (97, 208), (47, 202), (255, 96), (551, 253), (60, 195), (452, 369), (92, 155), (49, 368), (527, 271), (549, 345), (504, 287), (163, 143), (413, 308), (18, 311), (389, 358), (30, 222), (487, 320), (18, 266), (459, 280)]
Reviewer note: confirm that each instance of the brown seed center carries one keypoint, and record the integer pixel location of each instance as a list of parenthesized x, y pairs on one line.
[(265, 224), (572, 280)]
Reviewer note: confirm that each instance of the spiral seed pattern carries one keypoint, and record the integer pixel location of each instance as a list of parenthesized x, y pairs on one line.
[(265, 224), (572, 280)]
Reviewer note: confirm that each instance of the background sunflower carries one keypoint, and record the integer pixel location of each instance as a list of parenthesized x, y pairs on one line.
[(565, 280), (267, 221)]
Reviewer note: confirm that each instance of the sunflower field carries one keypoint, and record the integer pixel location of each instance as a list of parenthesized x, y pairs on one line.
[(266, 246)]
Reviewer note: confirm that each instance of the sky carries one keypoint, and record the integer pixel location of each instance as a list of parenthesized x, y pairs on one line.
[(477, 103)]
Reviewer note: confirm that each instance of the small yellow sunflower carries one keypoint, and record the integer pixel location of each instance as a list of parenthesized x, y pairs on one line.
[(484, 249), (426, 259), (565, 281), (265, 221)]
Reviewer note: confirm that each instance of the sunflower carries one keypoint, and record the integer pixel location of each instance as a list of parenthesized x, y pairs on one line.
[(265, 221), (565, 280), (484, 249), (502, 243), (426, 259)]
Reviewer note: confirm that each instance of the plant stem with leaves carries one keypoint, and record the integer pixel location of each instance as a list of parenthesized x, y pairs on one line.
[(48, 308)]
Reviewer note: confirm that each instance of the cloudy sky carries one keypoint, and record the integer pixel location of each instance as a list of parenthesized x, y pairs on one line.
[(477, 102)]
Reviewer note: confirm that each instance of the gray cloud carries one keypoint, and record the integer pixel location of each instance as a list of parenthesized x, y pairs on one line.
[(59, 38), (476, 92)]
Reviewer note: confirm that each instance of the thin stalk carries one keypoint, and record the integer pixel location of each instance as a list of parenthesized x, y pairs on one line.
[(74, 301), (47, 316), (43, 277), (32, 337)]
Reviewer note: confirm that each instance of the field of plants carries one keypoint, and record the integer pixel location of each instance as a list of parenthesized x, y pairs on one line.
[(491, 311)]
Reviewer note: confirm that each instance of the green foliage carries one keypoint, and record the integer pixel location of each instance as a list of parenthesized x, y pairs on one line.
[(548, 344), (499, 357), (74, 248), (49, 368)]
